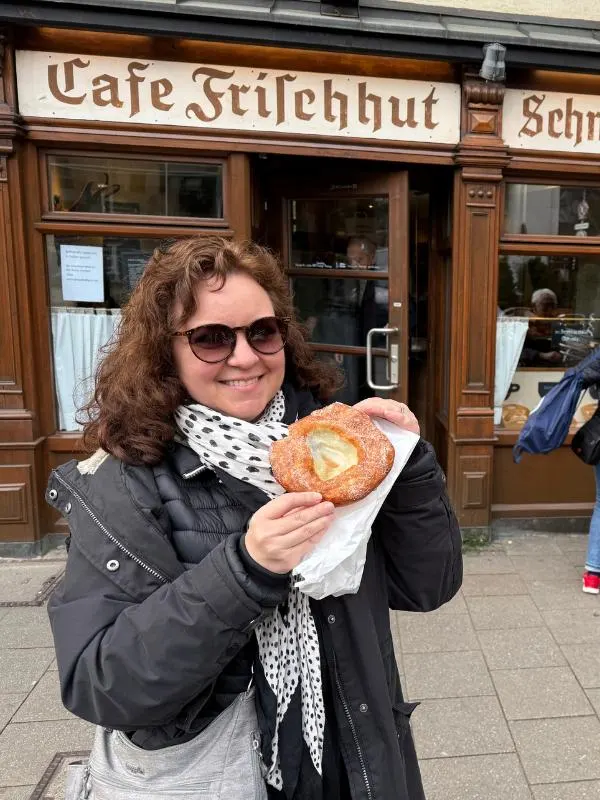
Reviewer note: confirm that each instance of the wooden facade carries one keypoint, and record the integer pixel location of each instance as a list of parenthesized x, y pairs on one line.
[(466, 184)]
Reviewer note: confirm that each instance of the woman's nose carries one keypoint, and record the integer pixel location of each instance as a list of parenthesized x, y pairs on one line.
[(243, 355)]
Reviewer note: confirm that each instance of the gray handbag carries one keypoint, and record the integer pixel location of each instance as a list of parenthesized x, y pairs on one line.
[(221, 763)]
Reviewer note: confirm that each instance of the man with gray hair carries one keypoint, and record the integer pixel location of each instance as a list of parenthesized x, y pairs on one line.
[(538, 349)]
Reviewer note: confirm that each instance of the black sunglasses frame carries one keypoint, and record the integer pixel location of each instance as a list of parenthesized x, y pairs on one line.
[(281, 322)]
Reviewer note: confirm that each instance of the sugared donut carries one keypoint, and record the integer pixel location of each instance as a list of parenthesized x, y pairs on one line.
[(336, 451)]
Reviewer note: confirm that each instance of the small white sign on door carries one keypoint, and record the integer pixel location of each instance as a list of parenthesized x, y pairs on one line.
[(82, 272)]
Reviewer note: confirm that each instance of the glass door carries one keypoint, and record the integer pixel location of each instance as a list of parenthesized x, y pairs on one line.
[(346, 254)]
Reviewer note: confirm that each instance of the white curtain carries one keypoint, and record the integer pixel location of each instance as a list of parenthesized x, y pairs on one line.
[(510, 337), (77, 335)]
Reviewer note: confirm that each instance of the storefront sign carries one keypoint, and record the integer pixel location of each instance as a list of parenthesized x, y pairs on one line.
[(537, 120), (236, 98)]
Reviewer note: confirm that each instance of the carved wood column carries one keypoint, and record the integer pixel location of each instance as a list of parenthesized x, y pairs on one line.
[(20, 441), (477, 208)]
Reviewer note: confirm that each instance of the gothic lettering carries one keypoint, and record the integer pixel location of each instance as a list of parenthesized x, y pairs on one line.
[(592, 118), (363, 99), (429, 103), (340, 98), (410, 113), (158, 90), (109, 85), (299, 103), (69, 73), (553, 117), (213, 97), (280, 82), (134, 86), (573, 116), (236, 91), (534, 122), (261, 94)]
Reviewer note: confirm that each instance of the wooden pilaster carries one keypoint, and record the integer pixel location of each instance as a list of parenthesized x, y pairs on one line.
[(477, 213)]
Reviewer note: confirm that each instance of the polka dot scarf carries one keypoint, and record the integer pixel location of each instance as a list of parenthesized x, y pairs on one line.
[(288, 643)]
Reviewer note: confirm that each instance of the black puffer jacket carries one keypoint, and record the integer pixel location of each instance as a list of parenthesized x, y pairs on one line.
[(147, 646)]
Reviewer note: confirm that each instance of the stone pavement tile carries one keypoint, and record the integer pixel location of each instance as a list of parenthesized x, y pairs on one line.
[(432, 675), (520, 648), (16, 792), (584, 660), (26, 749), (532, 544), (487, 585), (558, 593), (25, 627), (21, 582), (455, 606), (53, 666), (503, 613), (540, 693), (573, 625), (582, 790), (464, 726), (542, 568), (594, 697), (44, 702), (493, 777), (487, 563), (572, 542), (9, 703), (558, 750), (20, 669), (425, 633)]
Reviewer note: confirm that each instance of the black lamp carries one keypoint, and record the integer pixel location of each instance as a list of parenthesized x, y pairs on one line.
[(493, 67)]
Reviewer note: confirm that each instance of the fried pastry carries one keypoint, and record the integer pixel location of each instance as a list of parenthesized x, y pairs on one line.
[(336, 451)]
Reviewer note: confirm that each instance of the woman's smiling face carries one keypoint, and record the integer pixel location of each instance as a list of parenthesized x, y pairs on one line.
[(245, 383)]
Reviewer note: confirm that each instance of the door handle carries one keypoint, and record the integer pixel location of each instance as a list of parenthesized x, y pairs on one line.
[(393, 356)]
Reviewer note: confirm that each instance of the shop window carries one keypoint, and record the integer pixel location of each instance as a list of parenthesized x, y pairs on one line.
[(111, 185), (552, 210), (548, 320), (90, 278)]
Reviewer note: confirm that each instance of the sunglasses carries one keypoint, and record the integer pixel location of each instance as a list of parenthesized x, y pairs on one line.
[(214, 343)]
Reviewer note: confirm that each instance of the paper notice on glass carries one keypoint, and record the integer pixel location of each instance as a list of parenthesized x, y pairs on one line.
[(82, 272), (336, 564)]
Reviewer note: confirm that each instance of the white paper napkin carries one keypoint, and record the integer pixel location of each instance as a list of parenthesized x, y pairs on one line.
[(336, 564)]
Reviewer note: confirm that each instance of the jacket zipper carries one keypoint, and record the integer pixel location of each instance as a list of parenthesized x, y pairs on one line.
[(353, 729), (105, 530)]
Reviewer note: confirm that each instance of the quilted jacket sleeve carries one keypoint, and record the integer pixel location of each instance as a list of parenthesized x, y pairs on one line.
[(420, 536), (130, 664)]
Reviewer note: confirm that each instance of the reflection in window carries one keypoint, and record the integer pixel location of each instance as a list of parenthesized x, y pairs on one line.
[(90, 278), (552, 210), (110, 185), (548, 320)]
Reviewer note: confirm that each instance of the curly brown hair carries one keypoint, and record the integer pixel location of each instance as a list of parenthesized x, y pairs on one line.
[(137, 389)]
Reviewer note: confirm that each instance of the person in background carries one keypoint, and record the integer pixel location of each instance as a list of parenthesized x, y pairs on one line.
[(538, 350), (177, 589)]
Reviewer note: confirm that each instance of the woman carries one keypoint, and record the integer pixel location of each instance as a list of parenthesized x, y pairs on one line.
[(178, 557)]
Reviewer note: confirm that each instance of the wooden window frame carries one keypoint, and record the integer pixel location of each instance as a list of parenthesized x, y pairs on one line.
[(46, 215), (555, 241)]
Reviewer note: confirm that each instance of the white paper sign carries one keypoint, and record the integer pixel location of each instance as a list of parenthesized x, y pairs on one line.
[(210, 96), (82, 272)]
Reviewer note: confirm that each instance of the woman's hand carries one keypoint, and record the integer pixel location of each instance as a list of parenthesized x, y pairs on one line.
[(284, 530), (397, 413)]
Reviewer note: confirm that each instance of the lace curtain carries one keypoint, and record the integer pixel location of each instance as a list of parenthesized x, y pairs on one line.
[(77, 336), (510, 337)]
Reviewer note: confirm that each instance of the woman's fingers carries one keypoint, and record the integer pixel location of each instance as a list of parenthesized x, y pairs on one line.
[(287, 503), (397, 413)]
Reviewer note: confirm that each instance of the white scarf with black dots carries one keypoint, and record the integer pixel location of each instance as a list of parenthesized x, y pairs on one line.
[(288, 643)]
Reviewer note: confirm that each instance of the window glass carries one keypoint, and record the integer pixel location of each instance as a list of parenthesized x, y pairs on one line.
[(90, 278), (107, 185), (552, 210), (548, 320)]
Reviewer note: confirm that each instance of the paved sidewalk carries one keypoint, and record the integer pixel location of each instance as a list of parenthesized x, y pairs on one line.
[(508, 675)]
